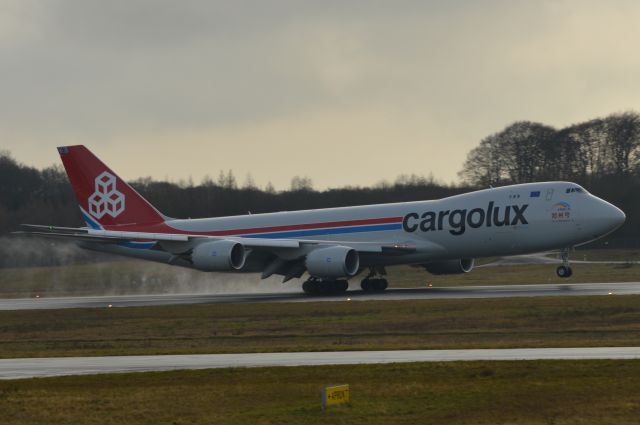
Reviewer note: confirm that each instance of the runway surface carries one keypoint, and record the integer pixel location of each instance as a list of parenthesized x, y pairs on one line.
[(546, 258), (499, 291), (43, 367)]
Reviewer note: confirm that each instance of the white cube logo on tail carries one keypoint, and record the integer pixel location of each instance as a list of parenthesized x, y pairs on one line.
[(106, 199)]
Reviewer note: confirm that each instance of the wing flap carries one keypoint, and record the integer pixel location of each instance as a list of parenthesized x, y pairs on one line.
[(139, 235)]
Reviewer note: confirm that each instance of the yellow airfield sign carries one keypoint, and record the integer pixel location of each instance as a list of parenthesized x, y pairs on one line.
[(335, 395)]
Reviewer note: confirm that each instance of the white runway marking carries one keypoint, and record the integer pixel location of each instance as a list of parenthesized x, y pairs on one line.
[(46, 367)]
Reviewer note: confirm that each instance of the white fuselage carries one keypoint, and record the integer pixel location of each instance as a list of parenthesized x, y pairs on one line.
[(507, 220)]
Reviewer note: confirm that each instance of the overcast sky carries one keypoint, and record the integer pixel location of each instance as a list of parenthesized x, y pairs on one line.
[(345, 92)]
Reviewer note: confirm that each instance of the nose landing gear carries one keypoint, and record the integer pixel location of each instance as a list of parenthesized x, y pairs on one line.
[(564, 270)]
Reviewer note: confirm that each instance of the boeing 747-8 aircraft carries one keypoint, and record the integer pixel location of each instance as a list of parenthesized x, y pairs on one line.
[(335, 244)]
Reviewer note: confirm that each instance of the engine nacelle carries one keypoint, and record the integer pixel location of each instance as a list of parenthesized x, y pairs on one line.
[(463, 265), (221, 255), (333, 262)]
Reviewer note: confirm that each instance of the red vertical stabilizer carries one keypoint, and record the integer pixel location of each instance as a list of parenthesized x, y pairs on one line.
[(104, 198)]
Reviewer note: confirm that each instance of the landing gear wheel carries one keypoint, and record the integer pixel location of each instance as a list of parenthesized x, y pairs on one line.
[(375, 281), (564, 271), (374, 285), (340, 286), (365, 285), (310, 287), (381, 285), (314, 286)]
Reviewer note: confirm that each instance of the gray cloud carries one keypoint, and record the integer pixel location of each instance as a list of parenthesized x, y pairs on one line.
[(281, 88)]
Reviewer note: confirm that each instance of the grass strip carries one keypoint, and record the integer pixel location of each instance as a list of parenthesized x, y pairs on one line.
[(371, 325), (525, 392)]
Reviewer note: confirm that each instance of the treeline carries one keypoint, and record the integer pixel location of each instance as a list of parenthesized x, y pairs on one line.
[(528, 151), (601, 154)]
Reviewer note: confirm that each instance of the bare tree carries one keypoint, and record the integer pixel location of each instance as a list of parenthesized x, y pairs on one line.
[(301, 183), (484, 165), (269, 188), (228, 180), (249, 182), (623, 137)]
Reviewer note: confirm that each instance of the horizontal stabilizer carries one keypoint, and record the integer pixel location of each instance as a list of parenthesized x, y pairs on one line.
[(71, 236)]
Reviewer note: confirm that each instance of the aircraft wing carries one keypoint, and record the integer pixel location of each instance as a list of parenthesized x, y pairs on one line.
[(115, 237)]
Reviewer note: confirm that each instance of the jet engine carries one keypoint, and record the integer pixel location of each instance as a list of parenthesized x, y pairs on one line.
[(333, 262), (463, 265), (223, 255)]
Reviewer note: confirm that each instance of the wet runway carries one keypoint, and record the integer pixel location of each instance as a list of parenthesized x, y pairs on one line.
[(43, 367), (498, 291)]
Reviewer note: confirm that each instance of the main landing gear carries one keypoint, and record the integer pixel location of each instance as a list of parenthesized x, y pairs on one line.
[(564, 270), (315, 286), (375, 280)]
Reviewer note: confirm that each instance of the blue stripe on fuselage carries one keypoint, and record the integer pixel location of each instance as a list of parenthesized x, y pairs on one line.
[(130, 244), (319, 232), (93, 224)]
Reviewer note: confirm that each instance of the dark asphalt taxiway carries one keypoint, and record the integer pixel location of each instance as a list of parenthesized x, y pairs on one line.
[(499, 291)]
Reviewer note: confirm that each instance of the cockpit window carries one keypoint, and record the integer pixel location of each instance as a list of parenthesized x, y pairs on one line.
[(577, 189)]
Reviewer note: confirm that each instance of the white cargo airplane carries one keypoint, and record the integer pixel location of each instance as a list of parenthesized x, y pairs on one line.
[(335, 244)]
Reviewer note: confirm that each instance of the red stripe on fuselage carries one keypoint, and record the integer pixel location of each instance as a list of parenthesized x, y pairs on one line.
[(164, 228)]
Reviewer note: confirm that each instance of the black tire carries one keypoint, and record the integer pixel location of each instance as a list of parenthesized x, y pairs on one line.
[(379, 285), (374, 285), (366, 285), (310, 287), (325, 287), (340, 286), (382, 285), (564, 272)]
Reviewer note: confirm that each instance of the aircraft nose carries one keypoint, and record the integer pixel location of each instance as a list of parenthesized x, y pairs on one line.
[(605, 217), (617, 216), (610, 216)]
